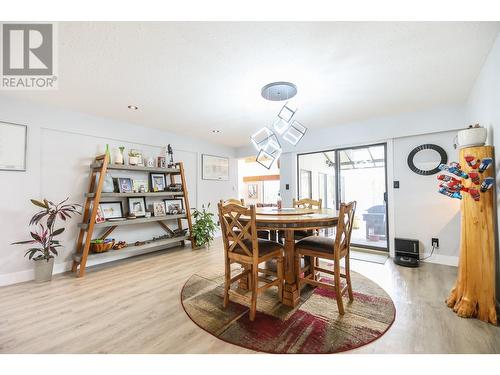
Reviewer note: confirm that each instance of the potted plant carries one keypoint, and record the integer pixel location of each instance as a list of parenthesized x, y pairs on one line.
[(43, 236), (133, 157), (204, 227)]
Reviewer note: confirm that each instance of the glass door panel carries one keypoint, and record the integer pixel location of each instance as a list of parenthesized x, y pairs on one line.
[(362, 175)]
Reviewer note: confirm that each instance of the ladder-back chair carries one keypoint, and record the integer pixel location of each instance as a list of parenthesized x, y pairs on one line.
[(241, 245), (333, 249)]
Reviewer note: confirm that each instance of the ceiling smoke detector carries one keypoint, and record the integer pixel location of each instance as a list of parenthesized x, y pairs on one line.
[(277, 91)]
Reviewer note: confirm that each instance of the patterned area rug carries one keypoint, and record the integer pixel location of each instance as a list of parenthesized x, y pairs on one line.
[(314, 326)]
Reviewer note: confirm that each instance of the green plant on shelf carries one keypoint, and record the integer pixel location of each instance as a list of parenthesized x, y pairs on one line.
[(204, 227)]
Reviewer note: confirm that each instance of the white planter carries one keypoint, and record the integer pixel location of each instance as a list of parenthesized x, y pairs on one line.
[(472, 137), (133, 160), (43, 270)]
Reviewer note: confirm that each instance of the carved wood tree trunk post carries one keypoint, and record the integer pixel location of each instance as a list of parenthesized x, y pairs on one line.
[(473, 295)]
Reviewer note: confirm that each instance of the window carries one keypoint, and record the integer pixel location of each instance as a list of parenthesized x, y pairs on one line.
[(305, 190)]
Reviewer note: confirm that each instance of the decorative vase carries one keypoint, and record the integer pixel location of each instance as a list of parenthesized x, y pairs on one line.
[(117, 156), (43, 270)]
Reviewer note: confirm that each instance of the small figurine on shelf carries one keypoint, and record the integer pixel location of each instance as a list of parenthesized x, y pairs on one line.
[(150, 162), (171, 163)]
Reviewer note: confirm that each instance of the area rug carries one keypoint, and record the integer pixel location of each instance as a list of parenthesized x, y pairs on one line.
[(314, 326)]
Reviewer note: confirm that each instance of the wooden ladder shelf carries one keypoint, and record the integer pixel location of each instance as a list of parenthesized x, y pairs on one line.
[(93, 198)]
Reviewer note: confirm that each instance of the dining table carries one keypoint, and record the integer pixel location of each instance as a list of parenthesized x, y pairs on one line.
[(290, 220)]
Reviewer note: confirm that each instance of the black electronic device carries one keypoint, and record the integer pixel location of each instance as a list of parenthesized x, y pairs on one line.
[(407, 252)]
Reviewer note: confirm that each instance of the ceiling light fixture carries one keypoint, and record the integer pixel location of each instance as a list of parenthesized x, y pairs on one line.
[(133, 107), (277, 91)]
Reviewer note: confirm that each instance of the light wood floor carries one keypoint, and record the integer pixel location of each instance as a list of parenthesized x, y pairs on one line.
[(134, 306)]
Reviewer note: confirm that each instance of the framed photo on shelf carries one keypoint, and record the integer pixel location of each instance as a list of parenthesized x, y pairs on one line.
[(159, 209), (13, 146), (111, 210), (125, 185), (140, 186), (157, 181), (137, 206), (214, 167), (173, 206)]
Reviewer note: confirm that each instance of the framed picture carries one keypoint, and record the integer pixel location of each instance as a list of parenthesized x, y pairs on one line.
[(140, 186), (125, 185), (13, 146), (214, 167), (159, 209), (157, 181), (173, 206), (137, 206), (111, 210), (253, 191)]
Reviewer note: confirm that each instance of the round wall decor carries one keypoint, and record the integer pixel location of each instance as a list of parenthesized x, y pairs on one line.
[(425, 159)]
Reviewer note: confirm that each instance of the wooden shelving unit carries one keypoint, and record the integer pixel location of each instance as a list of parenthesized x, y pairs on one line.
[(93, 197)]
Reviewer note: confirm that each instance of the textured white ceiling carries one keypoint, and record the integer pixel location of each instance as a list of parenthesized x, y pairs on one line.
[(192, 77)]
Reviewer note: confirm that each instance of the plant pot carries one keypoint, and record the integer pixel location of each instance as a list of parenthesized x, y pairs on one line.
[(133, 160), (472, 137), (43, 270)]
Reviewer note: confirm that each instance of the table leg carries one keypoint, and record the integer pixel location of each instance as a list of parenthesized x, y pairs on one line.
[(290, 292)]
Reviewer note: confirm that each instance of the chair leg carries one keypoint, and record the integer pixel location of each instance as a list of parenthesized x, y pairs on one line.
[(255, 280), (281, 278), (338, 293), (348, 278), (297, 272), (227, 282), (313, 267)]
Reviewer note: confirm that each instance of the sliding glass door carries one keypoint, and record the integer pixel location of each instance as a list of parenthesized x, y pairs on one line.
[(357, 173)]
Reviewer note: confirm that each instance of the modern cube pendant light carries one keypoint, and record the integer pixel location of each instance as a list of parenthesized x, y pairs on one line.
[(265, 159), (294, 133)]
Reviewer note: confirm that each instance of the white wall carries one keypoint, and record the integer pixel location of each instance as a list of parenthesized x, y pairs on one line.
[(61, 145), (420, 212), (483, 107)]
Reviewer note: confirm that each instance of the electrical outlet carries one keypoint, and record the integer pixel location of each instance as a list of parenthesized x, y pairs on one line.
[(435, 242)]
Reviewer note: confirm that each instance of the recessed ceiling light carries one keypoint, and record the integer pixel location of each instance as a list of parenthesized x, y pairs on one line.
[(134, 107), (215, 131)]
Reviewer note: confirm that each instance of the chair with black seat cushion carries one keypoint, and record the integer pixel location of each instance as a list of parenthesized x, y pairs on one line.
[(333, 249), (242, 246)]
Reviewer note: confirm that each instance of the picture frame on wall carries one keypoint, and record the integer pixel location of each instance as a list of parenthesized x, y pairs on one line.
[(13, 145), (111, 210), (214, 167), (157, 181), (137, 206)]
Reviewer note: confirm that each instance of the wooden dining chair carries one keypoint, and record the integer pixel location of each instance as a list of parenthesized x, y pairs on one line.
[(242, 246), (265, 234), (334, 249), (306, 203)]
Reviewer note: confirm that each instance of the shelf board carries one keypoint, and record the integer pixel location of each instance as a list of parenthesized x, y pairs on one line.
[(124, 195), (139, 220), (132, 250), (137, 168)]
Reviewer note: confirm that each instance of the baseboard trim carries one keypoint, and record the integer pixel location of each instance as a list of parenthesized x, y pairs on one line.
[(28, 275), (447, 260)]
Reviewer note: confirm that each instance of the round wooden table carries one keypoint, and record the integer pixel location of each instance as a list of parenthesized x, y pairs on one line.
[(290, 220)]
